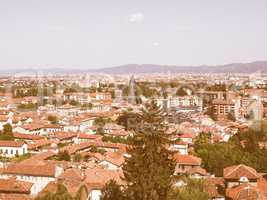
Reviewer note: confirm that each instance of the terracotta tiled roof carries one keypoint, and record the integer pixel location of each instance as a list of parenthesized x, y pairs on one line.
[(14, 197), (38, 157), (52, 126), (99, 177), (64, 135), (46, 170), (4, 143), (33, 126), (27, 136), (238, 171), (245, 192), (78, 147), (187, 159), (14, 186), (88, 136), (41, 143), (115, 158), (74, 174)]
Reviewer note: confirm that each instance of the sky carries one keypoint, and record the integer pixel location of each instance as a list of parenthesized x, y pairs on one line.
[(104, 33)]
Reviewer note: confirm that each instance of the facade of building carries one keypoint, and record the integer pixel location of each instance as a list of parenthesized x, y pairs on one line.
[(13, 148)]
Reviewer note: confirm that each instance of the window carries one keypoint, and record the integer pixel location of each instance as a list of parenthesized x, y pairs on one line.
[(11, 151)]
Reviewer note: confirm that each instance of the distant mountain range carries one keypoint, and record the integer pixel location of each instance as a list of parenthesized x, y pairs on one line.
[(259, 66), (246, 68)]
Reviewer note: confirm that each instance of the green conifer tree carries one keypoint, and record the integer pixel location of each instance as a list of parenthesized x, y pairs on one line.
[(149, 168)]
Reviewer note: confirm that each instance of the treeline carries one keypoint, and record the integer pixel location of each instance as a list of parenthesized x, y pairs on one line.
[(34, 90), (243, 148), (30, 106)]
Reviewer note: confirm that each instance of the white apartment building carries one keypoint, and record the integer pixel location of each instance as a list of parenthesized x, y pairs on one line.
[(12, 148), (182, 103)]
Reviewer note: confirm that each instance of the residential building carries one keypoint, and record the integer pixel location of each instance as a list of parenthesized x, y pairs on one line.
[(12, 148)]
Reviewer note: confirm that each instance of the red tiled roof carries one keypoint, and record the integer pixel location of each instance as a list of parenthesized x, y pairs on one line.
[(27, 136), (98, 177), (14, 197), (33, 126), (115, 158), (55, 126), (46, 170), (238, 171), (88, 136), (14, 186), (40, 143), (78, 147), (187, 159), (64, 135), (38, 157), (245, 191), (73, 173), (4, 143)]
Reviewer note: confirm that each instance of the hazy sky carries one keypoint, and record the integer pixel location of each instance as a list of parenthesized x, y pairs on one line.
[(103, 33)]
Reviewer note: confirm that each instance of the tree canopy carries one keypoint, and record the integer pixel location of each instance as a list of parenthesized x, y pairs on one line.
[(243, 148), (193, 189), (53, 119), (7, 133)]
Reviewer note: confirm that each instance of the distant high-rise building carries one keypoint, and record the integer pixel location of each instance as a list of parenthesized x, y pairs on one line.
[(131, 95)]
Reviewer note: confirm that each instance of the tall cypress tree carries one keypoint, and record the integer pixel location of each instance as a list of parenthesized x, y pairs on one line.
[(149, 168)]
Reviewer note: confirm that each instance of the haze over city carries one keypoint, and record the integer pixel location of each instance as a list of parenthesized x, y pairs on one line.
[(94, 34)]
